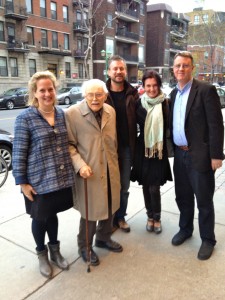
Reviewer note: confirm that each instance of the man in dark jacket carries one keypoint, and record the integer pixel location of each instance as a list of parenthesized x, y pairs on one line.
[(198, 133), (123, 97)]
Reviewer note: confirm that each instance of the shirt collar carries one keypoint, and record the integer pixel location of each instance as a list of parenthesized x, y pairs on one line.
[(186, 87)]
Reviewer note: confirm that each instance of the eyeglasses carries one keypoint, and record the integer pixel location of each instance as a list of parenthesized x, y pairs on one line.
[(91, 96), (183, 66)]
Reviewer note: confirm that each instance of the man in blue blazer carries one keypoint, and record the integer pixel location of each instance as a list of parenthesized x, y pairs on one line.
[(196, 124)]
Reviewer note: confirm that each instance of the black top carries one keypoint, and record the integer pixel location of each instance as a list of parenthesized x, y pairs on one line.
[(150, 171), (121, 117)]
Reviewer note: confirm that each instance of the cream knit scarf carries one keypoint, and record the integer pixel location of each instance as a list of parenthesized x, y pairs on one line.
[(153, 129)]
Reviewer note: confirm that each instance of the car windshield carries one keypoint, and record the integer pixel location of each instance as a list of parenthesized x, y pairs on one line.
[(10, 92), (64, 90)]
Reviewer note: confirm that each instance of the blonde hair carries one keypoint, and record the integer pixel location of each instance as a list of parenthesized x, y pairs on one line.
[(32, 85)]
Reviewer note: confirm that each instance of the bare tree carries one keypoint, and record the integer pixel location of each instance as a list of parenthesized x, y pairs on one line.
[(94, 28), (208, 34)]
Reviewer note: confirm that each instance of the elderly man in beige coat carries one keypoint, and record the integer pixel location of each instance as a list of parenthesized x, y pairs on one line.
[(91, 127)]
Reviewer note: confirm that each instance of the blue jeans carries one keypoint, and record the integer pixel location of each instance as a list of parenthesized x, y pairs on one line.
[(125, 169)]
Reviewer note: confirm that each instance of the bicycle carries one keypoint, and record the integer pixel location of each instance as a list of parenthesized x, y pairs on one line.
[(3, 171)]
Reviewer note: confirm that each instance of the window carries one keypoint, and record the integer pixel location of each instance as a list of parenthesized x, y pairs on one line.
[(109, 46), (29, 6), (30, 35), (44, 38), (66, 42), (168, 20), (11, 33), (13, 67), (206, 55), (53, 11), (80, 70), (166, 57), (79, 43), (141, 55), (196, 19), (43, 8), (2, 38), (68, 70), (54, 39), (109, 20), (85, 43), (142, 8), (79, 16), (167, 37), (32, 66), (205, 18), (3, 66), (142, 33), (65, 14)]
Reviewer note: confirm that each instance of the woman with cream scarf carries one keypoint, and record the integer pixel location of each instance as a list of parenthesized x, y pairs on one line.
[(151, 165)]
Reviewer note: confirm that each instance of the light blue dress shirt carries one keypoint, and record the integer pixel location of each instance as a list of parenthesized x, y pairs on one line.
[(179, 112)]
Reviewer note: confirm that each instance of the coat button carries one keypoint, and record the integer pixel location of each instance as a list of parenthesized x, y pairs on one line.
[(61, 167)]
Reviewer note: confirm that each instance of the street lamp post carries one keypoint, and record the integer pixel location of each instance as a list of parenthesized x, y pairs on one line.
[(106, 55)]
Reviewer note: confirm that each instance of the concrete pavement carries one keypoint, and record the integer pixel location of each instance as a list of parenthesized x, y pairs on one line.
[(148, 268)]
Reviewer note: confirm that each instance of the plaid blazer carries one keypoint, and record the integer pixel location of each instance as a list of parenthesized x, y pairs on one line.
[(41, 153)]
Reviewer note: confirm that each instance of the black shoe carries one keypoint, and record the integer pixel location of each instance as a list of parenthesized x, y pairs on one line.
[(94, 260), (205, 251), (110, 245), (179, 238)]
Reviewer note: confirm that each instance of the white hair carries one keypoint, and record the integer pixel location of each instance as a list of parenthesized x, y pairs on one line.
[(91, 82)]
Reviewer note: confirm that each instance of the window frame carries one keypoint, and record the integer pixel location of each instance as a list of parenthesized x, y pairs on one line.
[(32, 70), (44, 40), (53, 11), (4, 59), (13, 69), (43, 12), (65, 20), (55, 40)]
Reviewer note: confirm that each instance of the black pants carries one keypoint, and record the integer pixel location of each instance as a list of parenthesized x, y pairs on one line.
[(189, 183), (152, 200)]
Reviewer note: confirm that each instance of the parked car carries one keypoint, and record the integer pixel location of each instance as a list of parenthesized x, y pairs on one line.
[(221, 94), (69, 95), (141, 90), (6, 145), (14, 98), (166, 89)]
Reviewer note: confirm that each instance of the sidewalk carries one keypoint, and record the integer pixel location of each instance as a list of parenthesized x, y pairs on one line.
[(148, 268)]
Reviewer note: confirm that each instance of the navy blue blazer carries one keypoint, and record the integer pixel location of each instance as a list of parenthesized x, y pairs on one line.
[(203, 124)]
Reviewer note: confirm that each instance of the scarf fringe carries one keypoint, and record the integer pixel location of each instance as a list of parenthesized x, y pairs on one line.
[(155, 151)]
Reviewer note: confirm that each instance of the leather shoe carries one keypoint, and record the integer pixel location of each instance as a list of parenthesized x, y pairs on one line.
[(180, 238), (110, 245), (205, 250), (94, 260)]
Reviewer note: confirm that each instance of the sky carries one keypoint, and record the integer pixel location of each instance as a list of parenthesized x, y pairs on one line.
[(185, 6)]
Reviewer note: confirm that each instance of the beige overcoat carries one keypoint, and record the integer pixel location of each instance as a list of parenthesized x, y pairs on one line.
[(90, 145)]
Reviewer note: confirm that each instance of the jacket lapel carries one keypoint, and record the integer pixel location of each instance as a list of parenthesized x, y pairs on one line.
[(191, 98), (88, 115)]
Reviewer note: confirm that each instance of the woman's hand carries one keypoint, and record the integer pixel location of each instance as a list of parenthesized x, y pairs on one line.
[(85, 172), (28, 191)]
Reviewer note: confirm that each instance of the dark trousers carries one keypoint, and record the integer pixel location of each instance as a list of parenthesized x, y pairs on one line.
[(103, 229), (189, 183), (152, 200), (124, 154)]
